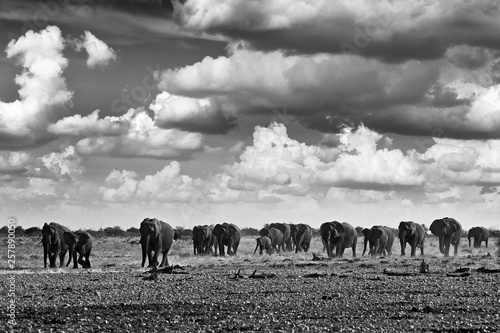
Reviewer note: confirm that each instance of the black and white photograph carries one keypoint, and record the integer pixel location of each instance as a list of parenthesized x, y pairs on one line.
[(250, 165)]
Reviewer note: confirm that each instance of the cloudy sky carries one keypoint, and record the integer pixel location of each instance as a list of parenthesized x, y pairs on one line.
[(249, 112)]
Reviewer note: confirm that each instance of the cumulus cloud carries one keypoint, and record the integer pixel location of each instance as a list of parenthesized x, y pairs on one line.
[(14, 161), (387, 30), (141, 138), (191, 114), (99, 54), (91, 125), (43, 94), (361, 164), (462, 162), (167, 185), (325, 92), (60, 165), (122, 186)]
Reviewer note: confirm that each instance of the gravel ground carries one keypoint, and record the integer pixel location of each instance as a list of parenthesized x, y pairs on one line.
[(307, 296)]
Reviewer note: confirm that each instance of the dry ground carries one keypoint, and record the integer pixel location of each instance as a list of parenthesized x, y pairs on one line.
[(287, 293)]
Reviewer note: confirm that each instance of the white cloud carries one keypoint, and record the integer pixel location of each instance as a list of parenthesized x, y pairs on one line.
[(167, 185), (361, 163), (43, 92), (13, 161), (462, 162), (63, 165), (90, 125), (99, 54), (190, 114), (141, 138), (122, 186)]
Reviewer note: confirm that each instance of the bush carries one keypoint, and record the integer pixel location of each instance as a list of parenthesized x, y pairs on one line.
[(114, 232), (133, 231), (249, 232), (33, 231)]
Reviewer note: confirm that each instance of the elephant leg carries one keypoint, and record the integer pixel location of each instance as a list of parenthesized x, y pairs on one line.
[(413, 246), (164, 260), (87, 261), (61, 256), (52, 259), (447, 244), (80, 260)]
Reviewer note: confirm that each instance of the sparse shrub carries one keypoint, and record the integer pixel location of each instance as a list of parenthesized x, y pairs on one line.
[(33, 231), (183, 233), (114, 232), (19, 231), (495, 233), (249, 232), (4, 230), (133, 231)]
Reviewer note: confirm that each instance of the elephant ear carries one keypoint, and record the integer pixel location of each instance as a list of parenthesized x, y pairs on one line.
[(339, 227), (70, 238), (376, 233), (231, 229), (452, 227), (366, 232)]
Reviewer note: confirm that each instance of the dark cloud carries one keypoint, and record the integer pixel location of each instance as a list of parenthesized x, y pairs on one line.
[(488, 189), (216, 124), (415, 32)]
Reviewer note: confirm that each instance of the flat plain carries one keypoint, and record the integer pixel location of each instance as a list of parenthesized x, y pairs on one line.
[(285, 292)]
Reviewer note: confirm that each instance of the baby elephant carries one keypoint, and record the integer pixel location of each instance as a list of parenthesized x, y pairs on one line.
[(78, 243), (264, 243)]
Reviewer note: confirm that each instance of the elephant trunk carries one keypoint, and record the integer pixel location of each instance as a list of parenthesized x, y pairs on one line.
[(221, 245), (469, 241), (45, 253), (364, 247), (326, 242), (441, 244), (402, 242), (298, 243), (145, 245), (70, 256), (256, 247)]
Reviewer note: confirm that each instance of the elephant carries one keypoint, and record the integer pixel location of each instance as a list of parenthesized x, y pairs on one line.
[(80, 243), (293, 234), (264, 243), (202, 237), (276, 237), (156, 237), (212, 244), (229, 235), (287, 237), (411, 233), (380, 239), (449, 232), (54, 244), (480, 235), (303, 237), (338, 236)]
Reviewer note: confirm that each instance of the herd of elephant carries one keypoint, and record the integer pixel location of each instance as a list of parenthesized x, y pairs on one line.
[(157, 238)]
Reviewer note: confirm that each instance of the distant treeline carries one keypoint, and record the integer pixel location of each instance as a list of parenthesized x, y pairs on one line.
[(181, 231)]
